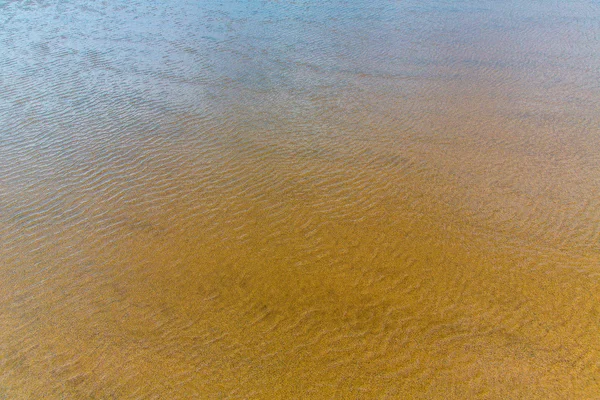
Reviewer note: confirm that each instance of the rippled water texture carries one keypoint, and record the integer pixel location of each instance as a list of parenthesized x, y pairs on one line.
[(299, 199)]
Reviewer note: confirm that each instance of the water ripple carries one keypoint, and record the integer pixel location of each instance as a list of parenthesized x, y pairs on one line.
[(299, 199)]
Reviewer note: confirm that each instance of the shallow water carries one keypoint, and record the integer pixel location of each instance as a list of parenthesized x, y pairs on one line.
[(277, 199)]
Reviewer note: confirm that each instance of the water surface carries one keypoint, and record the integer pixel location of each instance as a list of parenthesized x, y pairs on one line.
[(299, 199)]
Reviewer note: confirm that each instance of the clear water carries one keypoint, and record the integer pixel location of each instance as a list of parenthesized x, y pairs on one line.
[(299, 199)]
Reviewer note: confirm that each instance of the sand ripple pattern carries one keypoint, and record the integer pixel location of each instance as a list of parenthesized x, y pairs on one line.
[(263, 199)]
